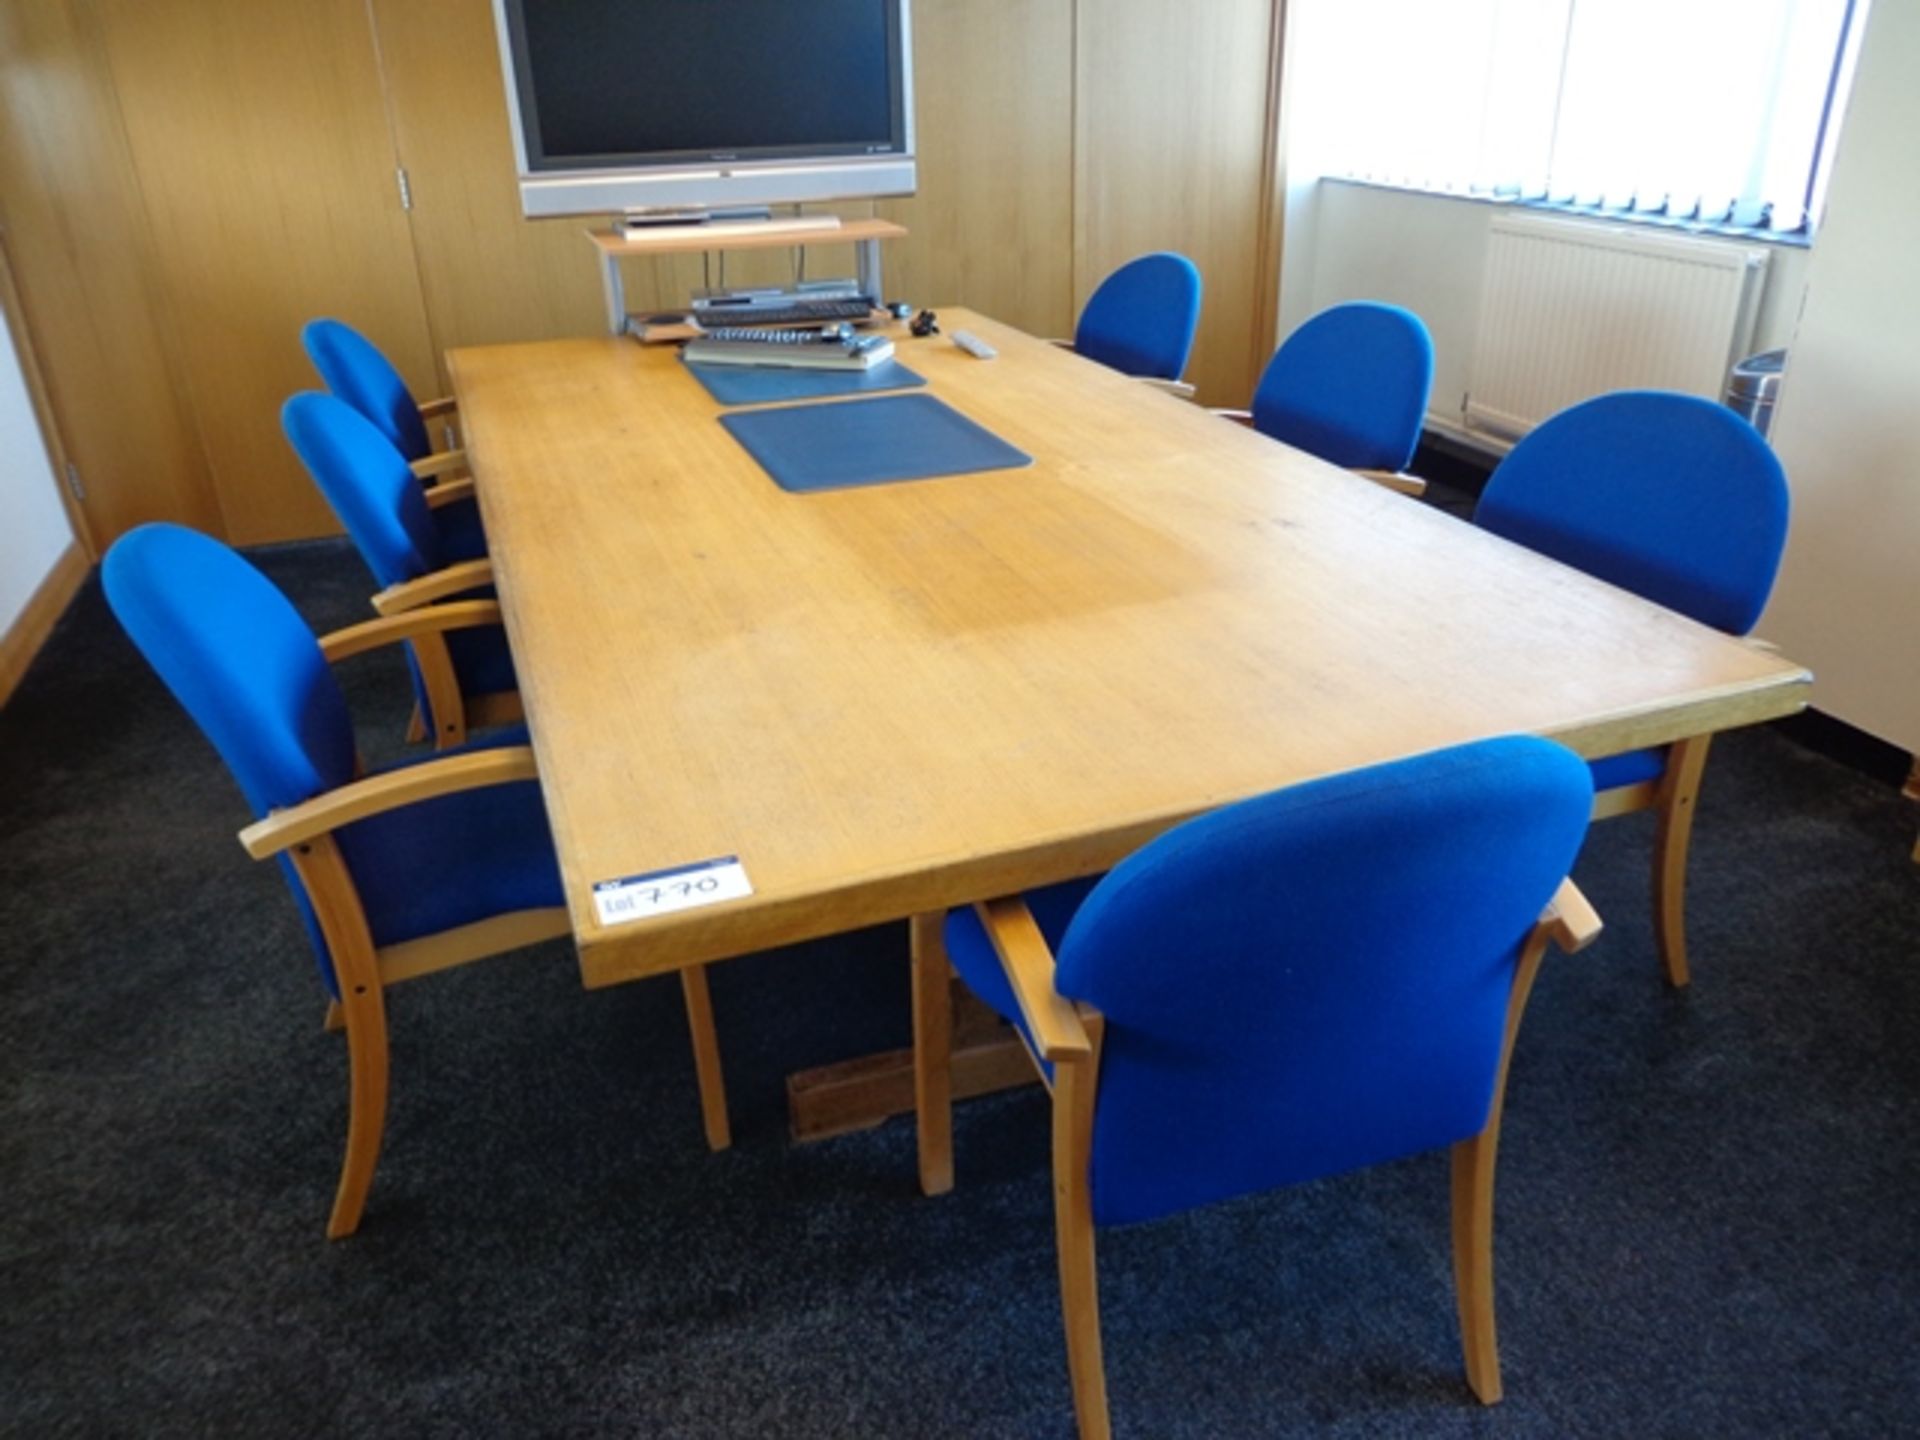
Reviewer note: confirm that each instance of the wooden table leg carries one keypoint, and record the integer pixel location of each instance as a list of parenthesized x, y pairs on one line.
[(858, 1094), (933, 1053)]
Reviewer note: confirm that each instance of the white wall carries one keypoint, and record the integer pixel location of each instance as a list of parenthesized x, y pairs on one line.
[(1848, 426), (1428, 253), (34, 531)]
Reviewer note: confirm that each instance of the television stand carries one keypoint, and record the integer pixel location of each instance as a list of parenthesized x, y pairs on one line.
[(626, 242), (692, 215)]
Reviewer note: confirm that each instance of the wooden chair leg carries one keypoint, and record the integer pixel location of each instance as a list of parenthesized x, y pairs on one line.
[(1473, 1168), (1073, 1087), (1473, 1259), (336, 906), (1679, 790), (932, 1053), (706, 1057), (366, 1019)]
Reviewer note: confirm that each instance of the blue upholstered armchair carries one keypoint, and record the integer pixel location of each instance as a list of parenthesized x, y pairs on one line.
[(1350, 386), (355, 370), (465, 679), (1142, 318), (1680, 501), (1325, 977), (396, 874)]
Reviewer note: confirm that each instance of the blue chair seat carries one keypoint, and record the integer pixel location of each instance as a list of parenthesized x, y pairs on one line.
[(1629, 769), (481, 661), (972, 953), (455, 860), (461, 537)]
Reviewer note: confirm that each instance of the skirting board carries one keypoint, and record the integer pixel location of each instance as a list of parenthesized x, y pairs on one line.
[(43, 611)]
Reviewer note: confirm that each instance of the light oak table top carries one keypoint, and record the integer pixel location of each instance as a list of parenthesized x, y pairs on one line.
[(893, 699)]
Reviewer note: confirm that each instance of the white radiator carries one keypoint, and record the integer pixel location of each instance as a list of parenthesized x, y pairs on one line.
[(1571, 310)]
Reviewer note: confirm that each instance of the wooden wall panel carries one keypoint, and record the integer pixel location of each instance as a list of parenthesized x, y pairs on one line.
[(992, 225), (187, 183), (489, 276), (89, 292), (261, 141), (1171, 153)]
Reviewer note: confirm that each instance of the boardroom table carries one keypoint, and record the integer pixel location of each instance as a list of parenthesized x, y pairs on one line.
[(886, 701)]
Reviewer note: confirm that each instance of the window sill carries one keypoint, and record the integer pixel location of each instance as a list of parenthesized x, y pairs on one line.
[(1794, 240)]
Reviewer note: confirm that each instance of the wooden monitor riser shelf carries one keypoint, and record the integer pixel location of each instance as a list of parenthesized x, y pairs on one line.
[(893, 700), (864, 235)]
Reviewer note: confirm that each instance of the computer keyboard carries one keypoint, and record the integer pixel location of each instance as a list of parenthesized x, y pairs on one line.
[(801, 312)]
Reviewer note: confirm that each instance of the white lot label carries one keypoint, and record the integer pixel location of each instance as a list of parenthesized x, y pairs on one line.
[(641, 897)]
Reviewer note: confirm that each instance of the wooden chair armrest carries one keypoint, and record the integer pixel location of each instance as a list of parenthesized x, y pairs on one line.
[(448, 491), (1172, 387), (447, 462), (1570, 919), (1239, 417), (1051, 1018), (394, 790), (437, 585), (428, 620), (434, 409), (1395, 480)]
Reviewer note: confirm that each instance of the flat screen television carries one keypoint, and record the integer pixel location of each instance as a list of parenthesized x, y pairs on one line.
[(663, 105)]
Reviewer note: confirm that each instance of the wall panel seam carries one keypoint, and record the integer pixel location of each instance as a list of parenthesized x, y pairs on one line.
[(160, 287)]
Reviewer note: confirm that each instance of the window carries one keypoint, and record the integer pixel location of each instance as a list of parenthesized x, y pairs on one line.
[(1717, 112)]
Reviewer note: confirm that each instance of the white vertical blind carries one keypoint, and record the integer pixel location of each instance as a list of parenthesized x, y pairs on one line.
[(1707, 110)]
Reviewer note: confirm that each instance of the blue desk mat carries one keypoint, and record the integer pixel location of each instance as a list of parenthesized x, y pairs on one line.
[(868, 442), (764, 384)]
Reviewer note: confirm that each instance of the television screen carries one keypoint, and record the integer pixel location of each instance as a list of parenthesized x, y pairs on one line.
[(604, 83)]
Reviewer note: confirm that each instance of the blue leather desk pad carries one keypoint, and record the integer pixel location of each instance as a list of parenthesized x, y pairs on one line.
[(762, 385), (868, 442)]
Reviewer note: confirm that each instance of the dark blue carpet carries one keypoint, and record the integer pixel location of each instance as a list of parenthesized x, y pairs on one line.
[(1708, 1221)]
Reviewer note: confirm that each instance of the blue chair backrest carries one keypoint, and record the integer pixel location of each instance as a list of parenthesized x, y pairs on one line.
[(1316, 979), (1142, 318), (1350, 386), (1670, 496), (238, 656), (245, 666), (355, 370), (368, 484)]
